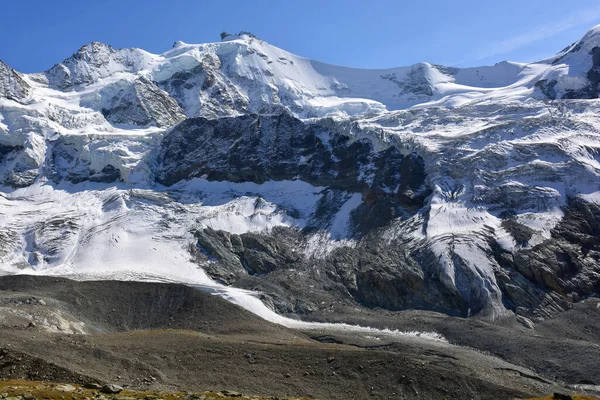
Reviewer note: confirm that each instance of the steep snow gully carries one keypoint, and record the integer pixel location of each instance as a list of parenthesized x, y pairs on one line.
[(287, 185)]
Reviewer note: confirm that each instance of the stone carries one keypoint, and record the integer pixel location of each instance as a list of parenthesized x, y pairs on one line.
[(111, 389), (65, 388), (231, 393), (92, 385), (526, 322), (560, 396)]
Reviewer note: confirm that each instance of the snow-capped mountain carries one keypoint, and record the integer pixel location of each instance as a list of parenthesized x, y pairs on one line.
[(468, 191)]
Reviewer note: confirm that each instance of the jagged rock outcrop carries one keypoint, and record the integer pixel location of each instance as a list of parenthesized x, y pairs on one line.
[(259, 148), (12, 85), (217, 94), (138, 103), (93, 62), (372, 274), (545, 279)]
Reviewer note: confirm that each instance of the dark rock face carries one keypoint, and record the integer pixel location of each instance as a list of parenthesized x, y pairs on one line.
[(183, 82), (536, 282), (143, 103), (249, 253), (12, 86), (6, 150), (64, 162), (108, 174), (218, 95), (280, 147), (17, 172), (541, 281), (547, 88), (593, 75), (372, 274), (416, 82)]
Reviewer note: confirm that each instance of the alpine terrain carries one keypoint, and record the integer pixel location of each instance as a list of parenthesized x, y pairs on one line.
[(454, 211)]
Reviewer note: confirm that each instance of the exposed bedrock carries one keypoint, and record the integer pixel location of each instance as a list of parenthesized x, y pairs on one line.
[(536, 282), (138, 103), (543, 280), (392, 186), (388, 266), (372, 274), (254, 148)]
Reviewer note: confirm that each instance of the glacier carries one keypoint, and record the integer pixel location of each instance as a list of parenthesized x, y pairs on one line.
[(238, 166)]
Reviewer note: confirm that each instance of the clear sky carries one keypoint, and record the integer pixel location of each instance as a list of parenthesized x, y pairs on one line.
[(35, 34)]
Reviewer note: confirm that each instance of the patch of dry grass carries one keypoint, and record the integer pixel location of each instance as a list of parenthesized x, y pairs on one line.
[(573, 396), (29, 390)]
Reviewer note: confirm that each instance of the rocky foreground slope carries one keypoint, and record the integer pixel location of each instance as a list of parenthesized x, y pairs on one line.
[(330, 190), (156, 338)]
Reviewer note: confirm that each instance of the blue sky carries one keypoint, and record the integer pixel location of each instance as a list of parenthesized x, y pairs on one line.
[(36, 34)]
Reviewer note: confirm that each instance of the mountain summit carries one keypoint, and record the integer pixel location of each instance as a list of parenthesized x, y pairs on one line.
[(245, 74)]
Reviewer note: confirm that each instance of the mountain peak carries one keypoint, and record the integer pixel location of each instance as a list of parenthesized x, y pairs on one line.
[(579, 52), (593, 31), (94, 48), (591, 39), (95, 61)]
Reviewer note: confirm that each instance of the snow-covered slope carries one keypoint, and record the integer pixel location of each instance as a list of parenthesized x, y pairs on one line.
[(461, 190)]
